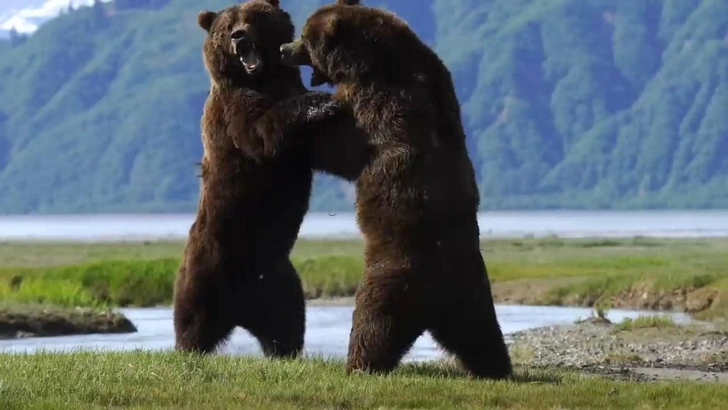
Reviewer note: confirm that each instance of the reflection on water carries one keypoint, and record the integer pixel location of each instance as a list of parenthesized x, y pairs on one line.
[(316, 225), (327, 332)]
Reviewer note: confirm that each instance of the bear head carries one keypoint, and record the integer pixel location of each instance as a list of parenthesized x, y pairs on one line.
[(243, 41), (348, 42)]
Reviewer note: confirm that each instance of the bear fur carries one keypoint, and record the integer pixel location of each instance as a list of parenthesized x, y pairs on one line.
[(417, 198), (255, 190)]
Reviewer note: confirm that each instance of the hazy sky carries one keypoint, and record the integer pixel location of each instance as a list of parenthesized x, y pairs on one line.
[(26, 15)]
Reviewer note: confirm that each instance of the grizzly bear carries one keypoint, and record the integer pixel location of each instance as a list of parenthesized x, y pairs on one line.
[(417, 198), (255, 189)]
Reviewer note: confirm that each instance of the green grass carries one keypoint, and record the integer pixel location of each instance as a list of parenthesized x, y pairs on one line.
[(150, 282), (645, 322), (587, 272), (144, 380)]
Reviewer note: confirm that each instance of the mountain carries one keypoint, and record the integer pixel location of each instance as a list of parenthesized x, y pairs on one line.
[(603, 104)]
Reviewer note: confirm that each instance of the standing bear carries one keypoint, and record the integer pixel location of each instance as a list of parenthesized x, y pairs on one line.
[(417, 199), (255, 190)]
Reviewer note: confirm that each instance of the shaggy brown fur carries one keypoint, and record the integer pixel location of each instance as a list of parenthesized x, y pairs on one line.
[(255, 188), (416, 199)]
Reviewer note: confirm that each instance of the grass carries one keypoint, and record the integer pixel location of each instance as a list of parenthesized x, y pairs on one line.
[(145, 380), (690, 274), (645, 322), (52, 320)]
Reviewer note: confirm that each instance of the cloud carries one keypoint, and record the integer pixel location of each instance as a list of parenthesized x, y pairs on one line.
[(28, 20)]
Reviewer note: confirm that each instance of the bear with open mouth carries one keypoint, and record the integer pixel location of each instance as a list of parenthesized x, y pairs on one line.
[(255, 191)]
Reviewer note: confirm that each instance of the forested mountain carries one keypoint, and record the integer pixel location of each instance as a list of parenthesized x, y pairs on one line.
[(567, 103)]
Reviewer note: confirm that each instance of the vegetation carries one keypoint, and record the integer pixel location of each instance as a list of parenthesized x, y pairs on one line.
[(144, 380), (567, 103), (645, 322), (23, 320), (628, 273), (150, 283)]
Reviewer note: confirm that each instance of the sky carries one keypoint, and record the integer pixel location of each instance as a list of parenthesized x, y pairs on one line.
[(26, 15)]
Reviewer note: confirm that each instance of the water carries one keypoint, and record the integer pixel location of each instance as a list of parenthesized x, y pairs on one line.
[(492, 224), (327, 332)]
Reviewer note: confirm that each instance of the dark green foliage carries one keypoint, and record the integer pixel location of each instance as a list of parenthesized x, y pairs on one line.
[(567, 103)]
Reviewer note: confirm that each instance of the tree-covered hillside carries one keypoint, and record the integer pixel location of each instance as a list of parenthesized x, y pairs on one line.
[(567, 103)]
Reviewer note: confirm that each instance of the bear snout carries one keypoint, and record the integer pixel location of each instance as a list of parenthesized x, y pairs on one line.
[(293, 54), (241, 40)]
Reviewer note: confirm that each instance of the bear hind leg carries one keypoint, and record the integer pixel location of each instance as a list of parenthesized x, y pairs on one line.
[(200, 321), (384, 328), (277, 317), (469, 330)]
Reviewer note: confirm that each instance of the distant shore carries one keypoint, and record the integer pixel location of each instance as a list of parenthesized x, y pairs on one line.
[(342, 226)]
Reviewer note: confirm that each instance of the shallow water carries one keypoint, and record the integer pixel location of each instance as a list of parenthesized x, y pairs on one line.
[(327, 332), (317, 225)]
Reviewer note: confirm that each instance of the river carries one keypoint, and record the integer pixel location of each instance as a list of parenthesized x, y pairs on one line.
[(327, 331), (567, 224)]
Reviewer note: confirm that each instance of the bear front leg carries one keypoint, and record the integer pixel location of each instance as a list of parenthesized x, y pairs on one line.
[(292, 116), (337, 144)]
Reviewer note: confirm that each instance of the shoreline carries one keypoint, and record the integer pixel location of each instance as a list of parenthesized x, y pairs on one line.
[(658, 350), (19, 321), (697, 351)]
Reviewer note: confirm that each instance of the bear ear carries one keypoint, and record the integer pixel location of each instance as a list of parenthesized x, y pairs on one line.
[(348, 2), (205, 19), (274, 3)]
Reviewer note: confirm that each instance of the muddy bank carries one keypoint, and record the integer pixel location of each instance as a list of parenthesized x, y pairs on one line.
[(701, 302), (535, 292), (656, 374), (29, 321)]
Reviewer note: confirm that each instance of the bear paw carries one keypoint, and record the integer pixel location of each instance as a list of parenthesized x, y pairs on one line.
[(269, 131)]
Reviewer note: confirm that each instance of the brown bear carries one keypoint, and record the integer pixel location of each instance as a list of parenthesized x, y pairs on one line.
[(417, 198), (255, 189)]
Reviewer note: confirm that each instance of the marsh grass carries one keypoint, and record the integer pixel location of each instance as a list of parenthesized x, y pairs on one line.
[(146, 380), (596, 270), (645, 322)]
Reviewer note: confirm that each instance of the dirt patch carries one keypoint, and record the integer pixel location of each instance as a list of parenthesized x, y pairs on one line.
[(529, 291), (655, 374), (696, 351), (685, 299)]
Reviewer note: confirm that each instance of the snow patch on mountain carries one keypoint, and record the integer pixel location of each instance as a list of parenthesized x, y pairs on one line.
[(27, 18)]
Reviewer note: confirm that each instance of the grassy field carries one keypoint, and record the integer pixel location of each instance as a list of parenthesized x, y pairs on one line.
[(635, 273), (143, 380)]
